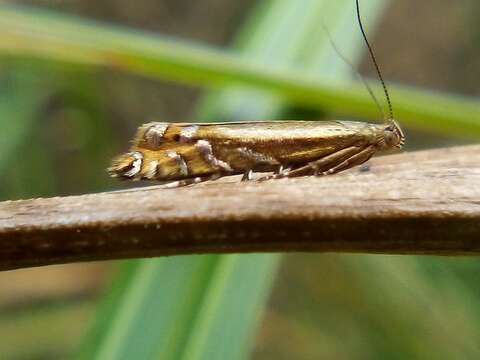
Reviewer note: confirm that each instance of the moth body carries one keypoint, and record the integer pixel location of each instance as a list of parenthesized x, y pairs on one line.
[(191, 152)]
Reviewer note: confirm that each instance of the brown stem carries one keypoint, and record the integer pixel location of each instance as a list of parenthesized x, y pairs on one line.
[(417, 203)]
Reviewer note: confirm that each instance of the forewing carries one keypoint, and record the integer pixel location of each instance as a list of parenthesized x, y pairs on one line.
[(171, 151)]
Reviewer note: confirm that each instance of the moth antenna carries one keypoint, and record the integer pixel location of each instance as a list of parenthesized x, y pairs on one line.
[(374, 60), (356, 72)]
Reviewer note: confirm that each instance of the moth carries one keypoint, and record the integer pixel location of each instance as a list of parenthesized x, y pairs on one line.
[(192, 153), (188, 153)]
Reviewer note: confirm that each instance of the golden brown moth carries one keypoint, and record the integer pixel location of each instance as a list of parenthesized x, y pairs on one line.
[(192, 153)]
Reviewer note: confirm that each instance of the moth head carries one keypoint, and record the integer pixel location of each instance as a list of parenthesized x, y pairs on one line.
[(126, 166), (393, 135)]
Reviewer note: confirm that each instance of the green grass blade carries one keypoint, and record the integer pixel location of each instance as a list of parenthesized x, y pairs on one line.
[(148, 309), (28, 32), (227, 318)]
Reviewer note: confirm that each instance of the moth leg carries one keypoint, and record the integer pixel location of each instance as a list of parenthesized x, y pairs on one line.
[(324, 164), (269, 177), (356, 159), (280, 173), (247, 175), (191, 181)]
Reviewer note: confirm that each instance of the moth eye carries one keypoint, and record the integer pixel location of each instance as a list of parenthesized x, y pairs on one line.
[(176, 137), (392, 138)]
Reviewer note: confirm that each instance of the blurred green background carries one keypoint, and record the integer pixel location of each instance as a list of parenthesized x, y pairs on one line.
[(64, 116)]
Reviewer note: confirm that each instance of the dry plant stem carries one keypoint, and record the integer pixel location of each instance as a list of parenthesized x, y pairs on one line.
[(413, 203)]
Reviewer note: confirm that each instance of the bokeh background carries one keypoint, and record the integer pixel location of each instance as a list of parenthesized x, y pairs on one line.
[(62, 123)]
